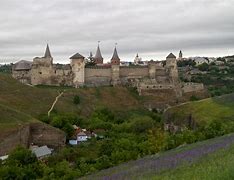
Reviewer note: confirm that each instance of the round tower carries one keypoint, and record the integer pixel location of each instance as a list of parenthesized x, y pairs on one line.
[(78, 69), (171, 64)]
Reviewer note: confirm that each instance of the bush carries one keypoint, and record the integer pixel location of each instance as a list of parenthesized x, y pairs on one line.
[(203, 67), (76, 99), (141, 124), (194, 98)]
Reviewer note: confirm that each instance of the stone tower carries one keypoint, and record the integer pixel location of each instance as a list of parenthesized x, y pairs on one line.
[(42, 68), (78, 69), (98, 59), (180, 56), (115, 62), (171, 64)]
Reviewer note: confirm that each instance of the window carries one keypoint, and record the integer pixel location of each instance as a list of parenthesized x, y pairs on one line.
[(40, 72)]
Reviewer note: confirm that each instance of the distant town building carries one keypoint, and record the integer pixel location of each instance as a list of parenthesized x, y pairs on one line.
[(180, 56), (200, 60)]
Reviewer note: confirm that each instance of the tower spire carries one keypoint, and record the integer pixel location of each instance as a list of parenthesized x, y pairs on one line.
[(98, 56), (115, 54), (47, 52), (115, 58)]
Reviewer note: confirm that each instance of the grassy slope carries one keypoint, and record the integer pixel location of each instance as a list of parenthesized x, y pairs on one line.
[(37, 100), (202, 167), (19, 103), (10, 119), (218, 108), (215, 166)]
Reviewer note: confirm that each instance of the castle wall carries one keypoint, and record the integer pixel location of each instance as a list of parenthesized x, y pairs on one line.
[(115, 74), (192, 87), (134, 72), (62, 76), (98, 76), (24, 76), (41, 71), (78, 69)]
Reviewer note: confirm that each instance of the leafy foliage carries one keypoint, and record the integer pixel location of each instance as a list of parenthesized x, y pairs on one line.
[(76, 99)]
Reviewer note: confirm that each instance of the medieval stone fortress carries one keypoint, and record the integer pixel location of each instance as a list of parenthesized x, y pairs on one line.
[(153, 77)]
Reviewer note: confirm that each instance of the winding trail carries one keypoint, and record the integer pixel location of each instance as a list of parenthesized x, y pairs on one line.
[(165, 161), (55, 101)]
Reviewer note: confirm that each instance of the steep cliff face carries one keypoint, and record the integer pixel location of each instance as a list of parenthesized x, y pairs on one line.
[(17, 136), (32, 133), (43, 134)]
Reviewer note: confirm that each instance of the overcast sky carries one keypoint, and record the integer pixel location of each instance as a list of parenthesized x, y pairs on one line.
[(152, 28)]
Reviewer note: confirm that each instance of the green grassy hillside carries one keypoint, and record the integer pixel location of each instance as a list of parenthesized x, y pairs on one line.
[(215, 166), (204, 111), (37, 100), (201, 160), (10, 119)]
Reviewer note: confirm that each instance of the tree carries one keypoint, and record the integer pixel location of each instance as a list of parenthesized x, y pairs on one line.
[(142, 124), (203, 67), (21, 164), (156, 140)]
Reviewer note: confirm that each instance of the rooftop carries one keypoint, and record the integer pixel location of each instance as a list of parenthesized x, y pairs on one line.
[(41, 151)]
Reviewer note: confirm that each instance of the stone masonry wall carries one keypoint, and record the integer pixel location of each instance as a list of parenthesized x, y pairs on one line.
[(134, 72), (24, 76), (97, 76)]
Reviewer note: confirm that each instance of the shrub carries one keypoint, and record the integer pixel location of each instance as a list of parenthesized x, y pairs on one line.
[(141, 124), (194, 98), (76, 99)]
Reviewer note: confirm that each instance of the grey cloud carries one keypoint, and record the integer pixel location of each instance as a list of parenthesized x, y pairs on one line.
[(153, 27)]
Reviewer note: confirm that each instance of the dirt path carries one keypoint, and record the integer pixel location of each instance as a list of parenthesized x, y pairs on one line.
[(56, 99), (168, 160)]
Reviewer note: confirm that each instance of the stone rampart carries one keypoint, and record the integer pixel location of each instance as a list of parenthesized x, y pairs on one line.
[(97, 76)]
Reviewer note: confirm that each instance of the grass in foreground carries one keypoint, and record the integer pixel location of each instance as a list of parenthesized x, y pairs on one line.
[(218, 165)]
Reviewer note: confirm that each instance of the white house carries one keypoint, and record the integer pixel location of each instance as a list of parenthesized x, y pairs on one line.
[(3, 158), (81, 137), (200, 60)]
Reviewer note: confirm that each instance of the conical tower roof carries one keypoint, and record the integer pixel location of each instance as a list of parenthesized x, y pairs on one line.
[(47, 52), (115, 55), (98, 54), (171, 55), (77, 56)]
